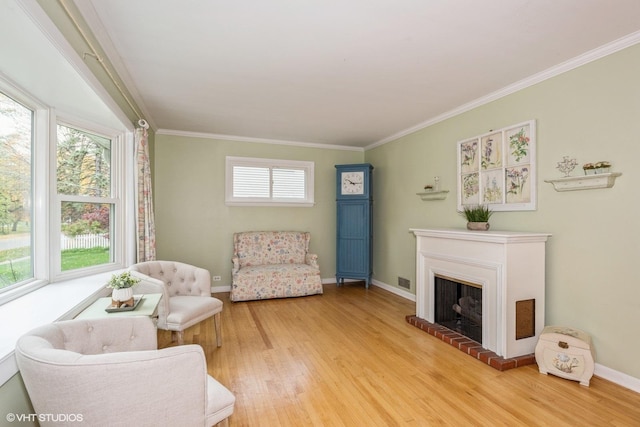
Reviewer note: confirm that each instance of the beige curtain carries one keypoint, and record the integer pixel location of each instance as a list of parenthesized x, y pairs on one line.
[(146, 225)]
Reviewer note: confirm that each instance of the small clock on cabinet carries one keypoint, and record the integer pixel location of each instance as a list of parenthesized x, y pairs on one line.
[(352, 182), (354, 223)]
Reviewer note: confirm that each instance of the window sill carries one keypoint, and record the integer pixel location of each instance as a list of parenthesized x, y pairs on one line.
[(56, 301), (272, 204)]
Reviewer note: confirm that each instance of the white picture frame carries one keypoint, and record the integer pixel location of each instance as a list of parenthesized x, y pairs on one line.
[(498, 169)]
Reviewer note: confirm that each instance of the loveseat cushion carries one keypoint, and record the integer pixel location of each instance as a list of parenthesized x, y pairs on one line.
[(266, 248), (276, 281)]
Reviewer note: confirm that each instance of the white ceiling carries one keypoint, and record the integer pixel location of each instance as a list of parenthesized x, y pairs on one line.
[(27, 48), (342, 72)]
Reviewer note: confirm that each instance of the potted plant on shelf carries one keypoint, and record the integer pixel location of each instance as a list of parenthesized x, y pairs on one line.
[(477, 217), (122, 294)]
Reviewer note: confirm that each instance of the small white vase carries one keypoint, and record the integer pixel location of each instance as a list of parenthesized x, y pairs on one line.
[(122, 294)]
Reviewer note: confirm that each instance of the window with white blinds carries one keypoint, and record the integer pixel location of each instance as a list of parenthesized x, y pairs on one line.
[(260, 182)]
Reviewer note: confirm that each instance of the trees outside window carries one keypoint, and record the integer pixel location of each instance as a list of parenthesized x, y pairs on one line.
[(16, 128), (84, 187), (81, 231)]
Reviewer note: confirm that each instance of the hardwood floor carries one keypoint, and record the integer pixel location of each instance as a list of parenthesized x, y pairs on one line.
[(349, 358)]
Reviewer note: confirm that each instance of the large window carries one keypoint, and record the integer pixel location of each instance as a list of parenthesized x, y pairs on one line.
[(83, 181), (61, 196), (16, 138), (259, 182)]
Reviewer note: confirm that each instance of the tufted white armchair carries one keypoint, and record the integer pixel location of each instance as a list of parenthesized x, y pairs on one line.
[(109, 372), (186, 298)]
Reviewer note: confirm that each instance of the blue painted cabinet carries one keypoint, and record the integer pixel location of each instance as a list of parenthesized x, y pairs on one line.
[(354, 222)]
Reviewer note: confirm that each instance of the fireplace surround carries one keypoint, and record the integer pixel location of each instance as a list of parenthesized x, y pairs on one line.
[(508, 266)]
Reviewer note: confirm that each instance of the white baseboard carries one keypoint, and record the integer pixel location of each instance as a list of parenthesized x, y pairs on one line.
[(623, 380), (332, 280), (219, 289), (395, 290)]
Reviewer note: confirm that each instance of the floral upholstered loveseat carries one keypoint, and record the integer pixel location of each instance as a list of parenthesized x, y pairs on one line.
[(273, 264)]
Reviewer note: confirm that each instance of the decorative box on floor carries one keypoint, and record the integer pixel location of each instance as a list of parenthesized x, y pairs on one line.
[(565, 352)]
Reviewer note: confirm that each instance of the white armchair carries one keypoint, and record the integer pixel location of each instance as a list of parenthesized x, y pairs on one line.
[(109, 372), (186, 293)]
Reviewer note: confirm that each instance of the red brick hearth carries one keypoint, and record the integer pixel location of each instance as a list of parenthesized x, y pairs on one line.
[(469, 346)]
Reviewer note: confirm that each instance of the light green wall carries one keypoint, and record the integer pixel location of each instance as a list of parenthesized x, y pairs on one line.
[(15, 400), (591, 113), (194, 225)]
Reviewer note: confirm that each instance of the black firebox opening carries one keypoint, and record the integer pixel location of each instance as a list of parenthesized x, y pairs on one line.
[(458, 306)]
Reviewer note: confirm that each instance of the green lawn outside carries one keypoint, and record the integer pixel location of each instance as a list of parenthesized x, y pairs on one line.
[(73, 259), (15, 265), (14, 271)]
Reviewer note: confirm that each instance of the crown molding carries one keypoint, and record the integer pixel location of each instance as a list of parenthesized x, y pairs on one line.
[(578, 61), (256, 140)]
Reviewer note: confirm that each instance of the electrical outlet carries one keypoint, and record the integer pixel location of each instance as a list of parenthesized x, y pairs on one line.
[(217, 278)]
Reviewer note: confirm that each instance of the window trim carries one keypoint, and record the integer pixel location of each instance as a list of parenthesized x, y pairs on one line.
[(39, 192), (44, 243), (117, 186), (307, 166)]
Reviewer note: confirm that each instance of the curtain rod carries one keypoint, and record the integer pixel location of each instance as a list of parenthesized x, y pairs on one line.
[(141, 122)]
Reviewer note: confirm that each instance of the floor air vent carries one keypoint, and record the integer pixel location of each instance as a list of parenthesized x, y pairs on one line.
[(404, 283)]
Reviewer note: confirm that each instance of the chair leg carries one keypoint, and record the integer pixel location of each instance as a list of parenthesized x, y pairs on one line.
[(217, 319)]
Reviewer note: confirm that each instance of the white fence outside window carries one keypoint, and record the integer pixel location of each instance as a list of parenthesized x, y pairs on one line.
[(84, 241)]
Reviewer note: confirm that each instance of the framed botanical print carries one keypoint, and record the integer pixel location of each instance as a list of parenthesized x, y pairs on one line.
[(498, 169)]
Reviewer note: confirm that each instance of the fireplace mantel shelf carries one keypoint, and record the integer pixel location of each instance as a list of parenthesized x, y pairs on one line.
[(494, 236)]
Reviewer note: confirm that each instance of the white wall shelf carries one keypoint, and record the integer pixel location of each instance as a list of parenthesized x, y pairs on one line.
[(586, 182), (433, 195)]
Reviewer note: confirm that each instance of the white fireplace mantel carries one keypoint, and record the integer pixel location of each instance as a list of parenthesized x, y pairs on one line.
[(510, 267)]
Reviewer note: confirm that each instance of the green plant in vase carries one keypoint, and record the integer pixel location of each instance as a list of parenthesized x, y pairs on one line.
[(121, 284), (477, 217)]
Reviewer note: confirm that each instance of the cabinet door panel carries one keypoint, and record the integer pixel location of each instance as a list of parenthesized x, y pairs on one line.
[(353, 256), (352, 220)]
